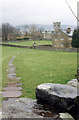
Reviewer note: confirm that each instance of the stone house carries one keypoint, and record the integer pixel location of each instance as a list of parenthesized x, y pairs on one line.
[(61, 38), (47, 35)]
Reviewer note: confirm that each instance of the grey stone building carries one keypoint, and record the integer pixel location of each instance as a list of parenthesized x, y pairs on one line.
[(61, 38)]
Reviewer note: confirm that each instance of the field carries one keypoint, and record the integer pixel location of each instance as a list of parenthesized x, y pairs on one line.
[(39, 66), (29, 42), (0, 73), (0, 68)]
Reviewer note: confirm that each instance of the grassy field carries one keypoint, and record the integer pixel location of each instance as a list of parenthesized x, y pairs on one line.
[(29, 42), (39, 66), (0, 68), (0, 74), (7, 54)]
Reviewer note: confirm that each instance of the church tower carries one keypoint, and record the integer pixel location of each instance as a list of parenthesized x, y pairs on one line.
[(56, 26)]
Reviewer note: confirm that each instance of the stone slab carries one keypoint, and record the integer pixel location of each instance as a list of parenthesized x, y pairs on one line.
[(13, 84), (60, 90), (12, 88), (74, 83), (26, 108), (11, 94), (66, 116), (64, 98)]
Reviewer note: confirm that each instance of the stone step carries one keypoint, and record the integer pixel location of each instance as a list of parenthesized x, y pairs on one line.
[(13, 84), (10, 64), (12, 88), (11, 94)]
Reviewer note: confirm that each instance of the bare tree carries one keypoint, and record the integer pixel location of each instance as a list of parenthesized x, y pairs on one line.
[(33, 32), (14, 34), (40, 33), (25, 28), (8, 32), (0, 33)]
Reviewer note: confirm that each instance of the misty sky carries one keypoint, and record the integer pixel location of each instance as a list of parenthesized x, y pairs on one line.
[(37, 11)]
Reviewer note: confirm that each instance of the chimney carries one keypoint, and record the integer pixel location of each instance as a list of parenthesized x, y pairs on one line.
[(68, 30)]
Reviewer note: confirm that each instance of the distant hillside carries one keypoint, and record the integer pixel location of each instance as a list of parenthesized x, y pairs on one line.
[(44, 27)]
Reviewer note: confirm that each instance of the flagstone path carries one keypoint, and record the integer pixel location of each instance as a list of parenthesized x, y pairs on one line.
[(12, 89)]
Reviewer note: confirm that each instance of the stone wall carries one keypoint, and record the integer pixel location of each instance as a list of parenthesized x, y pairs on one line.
[(49, 47), (60, 97), (45, 47)]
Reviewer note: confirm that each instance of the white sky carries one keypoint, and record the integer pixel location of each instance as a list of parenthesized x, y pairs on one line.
[(38, 11)]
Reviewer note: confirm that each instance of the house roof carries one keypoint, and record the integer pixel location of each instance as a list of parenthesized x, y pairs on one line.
[(69, 34), (47, 32)]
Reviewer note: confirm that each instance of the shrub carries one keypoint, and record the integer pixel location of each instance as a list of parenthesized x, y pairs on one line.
[(75, 39)]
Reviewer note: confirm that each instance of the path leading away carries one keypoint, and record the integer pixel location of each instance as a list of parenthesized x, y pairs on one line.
[(13, 86), (12, 89)]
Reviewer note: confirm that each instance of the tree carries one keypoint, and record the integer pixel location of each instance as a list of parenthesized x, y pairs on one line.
[(75, 39), (8, 32), (33, 32), (14, 34), (40, 33), (26, 27), (0, 33)]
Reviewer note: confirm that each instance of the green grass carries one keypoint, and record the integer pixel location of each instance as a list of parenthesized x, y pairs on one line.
[(7, 54), (0, 74), (29, 42), (39, 66), (0, 68)]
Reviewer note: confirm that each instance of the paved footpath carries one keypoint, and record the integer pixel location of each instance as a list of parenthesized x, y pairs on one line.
[(12, 89), (13, 86)]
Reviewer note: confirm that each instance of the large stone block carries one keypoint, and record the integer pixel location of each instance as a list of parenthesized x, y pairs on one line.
[(63, 98)]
